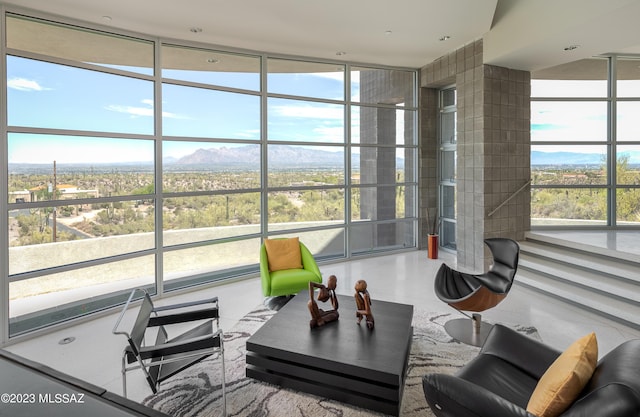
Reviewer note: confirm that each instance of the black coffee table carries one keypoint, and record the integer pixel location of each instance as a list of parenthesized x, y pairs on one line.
[(343, 361)]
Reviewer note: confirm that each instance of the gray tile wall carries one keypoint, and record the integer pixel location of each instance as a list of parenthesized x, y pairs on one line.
[(493, 158)]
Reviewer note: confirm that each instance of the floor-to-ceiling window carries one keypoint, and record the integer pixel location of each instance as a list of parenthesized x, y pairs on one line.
[(132, 162), (448, 155), (585, 153), (80, 170), (626, 149), (211, 164), (306, 149), (383, 159)]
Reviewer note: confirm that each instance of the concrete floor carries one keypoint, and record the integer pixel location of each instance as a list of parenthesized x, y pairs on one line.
[(407, 277)]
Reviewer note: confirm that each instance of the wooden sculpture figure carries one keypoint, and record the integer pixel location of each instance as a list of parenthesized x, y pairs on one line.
[(320, 317), (363, 303)]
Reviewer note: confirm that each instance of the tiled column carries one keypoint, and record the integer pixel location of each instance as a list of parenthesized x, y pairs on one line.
[(507, 148), (493, 149)]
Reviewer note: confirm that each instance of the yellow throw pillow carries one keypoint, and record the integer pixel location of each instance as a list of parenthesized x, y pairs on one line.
[(567, 376), (283, 253)]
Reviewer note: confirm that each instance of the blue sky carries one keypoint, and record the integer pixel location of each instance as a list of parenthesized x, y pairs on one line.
[(585, 120), (48, 95)]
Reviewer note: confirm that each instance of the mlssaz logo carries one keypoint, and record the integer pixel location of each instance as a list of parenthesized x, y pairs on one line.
[(61, 398)]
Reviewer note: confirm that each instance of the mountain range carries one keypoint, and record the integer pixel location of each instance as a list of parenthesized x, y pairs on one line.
[(279, 157), (576, 158), (286, 157)]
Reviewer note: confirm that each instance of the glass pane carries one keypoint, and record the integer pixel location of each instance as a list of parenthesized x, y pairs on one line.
[(569, 165), (305, 208), (400, 166), (627, 203), (448, 235), (583, 78), (199, 112), (568, 121), (323, 244), (310, 79), (381, 203), (369, 237), (374, 165), (449, 97), (568, 206), (211, 67), (79, 44), (40, 94), (628, 77), (448, 166), (294, 166), (448, 127), (382, 126), (208, 166), (628, 165), (362, 237), (406, 164), (209, 262), (448, 199), (305, 121), (39, 302), (406, 201), (197, 219), (355, 123), (628, 128), (80, 167), (81, 232), (383, 86)]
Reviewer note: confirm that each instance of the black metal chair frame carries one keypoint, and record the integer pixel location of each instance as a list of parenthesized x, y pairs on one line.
[(167, 357), (468, 292)]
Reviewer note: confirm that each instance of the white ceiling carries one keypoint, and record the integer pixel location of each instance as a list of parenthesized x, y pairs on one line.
[(520, 34)]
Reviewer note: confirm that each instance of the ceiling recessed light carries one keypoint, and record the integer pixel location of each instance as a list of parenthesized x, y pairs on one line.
[(196, 29), (444, 38), (340, 53), (388, 32), (571, 47), (106, 19)]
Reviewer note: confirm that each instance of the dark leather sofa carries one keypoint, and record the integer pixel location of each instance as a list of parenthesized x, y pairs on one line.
[(500, 381), (31, 389)]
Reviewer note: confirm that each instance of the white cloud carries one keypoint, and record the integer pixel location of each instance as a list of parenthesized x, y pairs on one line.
[(338, 76), (142, 111), (309, 112), (330, 134), (169, 115), (572, 121), (134, 111), (23, 84), (249, 134)]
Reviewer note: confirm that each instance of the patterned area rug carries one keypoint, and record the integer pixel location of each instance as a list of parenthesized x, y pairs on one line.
[(196, 392)]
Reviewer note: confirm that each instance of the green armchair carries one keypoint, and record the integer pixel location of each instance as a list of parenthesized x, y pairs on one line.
[(288, 281)]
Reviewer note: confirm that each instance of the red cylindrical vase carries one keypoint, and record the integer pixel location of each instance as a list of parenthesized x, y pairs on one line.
[(432, 246)]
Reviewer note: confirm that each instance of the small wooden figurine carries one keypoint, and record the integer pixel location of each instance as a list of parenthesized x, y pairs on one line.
[(363, 303), (320, 317)]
